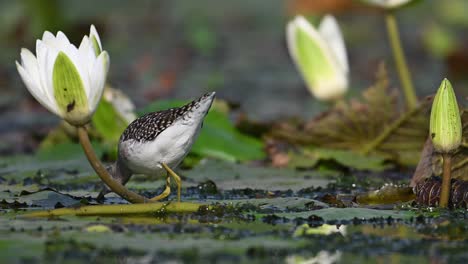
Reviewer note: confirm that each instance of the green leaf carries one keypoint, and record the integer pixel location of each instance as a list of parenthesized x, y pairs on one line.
[(440, 41), (69, 90), (47, 199), (110, 125), (108, 122), (218, 137)]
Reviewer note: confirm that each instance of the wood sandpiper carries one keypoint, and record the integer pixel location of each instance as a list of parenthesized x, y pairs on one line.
[(158, 142)]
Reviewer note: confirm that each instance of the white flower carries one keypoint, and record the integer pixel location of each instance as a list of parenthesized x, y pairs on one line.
[(389, 4), (320, 56), (67, 80), (122, 104)]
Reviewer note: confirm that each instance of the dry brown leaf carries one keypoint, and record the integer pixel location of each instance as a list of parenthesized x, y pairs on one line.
[(372, 125)]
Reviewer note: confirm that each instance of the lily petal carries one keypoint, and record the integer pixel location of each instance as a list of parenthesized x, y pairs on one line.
[(98, 79), (49, 39), (36, 91), (47, 69), (62, 41), (94, 36), (331, 32), (30, 65)]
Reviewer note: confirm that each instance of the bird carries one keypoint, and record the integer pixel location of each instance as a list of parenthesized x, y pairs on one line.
[(157, 142)]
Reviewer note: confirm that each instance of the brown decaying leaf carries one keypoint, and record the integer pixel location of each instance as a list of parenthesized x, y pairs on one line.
[(431, 161), (370, 126), (428, 192)]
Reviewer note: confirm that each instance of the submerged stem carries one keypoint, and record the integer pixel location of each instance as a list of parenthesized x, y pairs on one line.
[(400, 61), (120, 209), (446, 180), (115, 186)]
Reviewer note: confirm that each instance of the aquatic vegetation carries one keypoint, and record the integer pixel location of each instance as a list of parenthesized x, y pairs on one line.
[(65, 79), (445, 132), (302, 157)]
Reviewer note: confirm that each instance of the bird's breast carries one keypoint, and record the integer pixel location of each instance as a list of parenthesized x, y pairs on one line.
[(170, 147)]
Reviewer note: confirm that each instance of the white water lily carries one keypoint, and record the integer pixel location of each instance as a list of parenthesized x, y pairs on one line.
[(67, 80), (320, 56), (389, 4)]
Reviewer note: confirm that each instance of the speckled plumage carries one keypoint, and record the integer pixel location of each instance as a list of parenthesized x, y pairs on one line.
[(149, 126)]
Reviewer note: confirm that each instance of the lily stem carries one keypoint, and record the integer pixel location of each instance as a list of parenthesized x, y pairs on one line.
[(120, 209), (115, 186), (446, 180), (400, 61)]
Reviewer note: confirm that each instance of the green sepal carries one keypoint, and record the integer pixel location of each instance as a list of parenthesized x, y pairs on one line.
[(445, 125), (69, 91)]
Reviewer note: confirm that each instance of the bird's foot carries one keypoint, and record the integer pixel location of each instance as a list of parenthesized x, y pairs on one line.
[(165, 193), (176, 178)]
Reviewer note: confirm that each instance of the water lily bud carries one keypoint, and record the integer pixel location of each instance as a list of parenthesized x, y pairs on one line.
[(320, 56), (122, 104), (445, 126), (67, 80), (388, 4)]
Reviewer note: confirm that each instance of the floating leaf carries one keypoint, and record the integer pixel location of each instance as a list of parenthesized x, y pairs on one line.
[(310, 157), (46, 199)]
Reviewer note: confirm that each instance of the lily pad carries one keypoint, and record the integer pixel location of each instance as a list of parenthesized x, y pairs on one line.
[(310, 157), (45, 199)]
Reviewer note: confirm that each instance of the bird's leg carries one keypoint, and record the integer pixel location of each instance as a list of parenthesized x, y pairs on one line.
[(166, 191), (176, 178)]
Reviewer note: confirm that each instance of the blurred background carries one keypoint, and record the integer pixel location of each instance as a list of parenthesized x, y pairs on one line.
[(181, 49)]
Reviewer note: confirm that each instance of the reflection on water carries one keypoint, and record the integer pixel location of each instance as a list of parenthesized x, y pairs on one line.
[(324, 229), (322, 257)]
